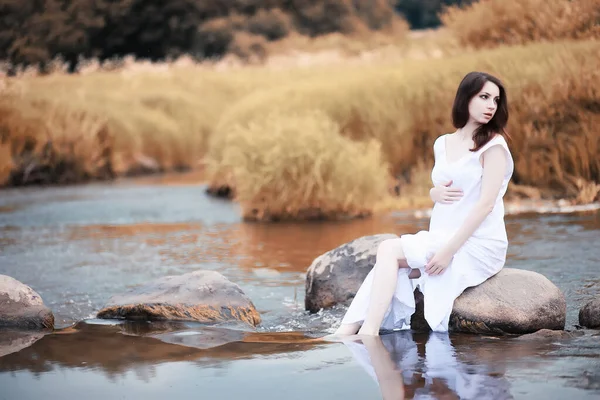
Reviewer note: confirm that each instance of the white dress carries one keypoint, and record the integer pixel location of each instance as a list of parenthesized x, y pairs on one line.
[(482, 256)]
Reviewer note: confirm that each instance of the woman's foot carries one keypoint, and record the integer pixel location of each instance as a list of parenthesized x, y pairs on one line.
[(366, 331), (347, 329)]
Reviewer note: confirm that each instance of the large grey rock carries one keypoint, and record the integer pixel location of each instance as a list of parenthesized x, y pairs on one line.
[(512, 301), (21, 307), (202, 296), (334, 277), (589, 315)]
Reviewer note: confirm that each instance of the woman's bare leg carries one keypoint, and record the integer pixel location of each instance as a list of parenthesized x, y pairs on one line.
[(390, 256), (352, 329)]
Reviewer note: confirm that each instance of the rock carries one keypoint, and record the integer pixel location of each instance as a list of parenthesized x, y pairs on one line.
[(512, 301), (21, 307), (201, 296), (543, 334), (589, 315), (223, 191), (334, 277)]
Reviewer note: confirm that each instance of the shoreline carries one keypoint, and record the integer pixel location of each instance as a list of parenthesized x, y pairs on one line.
[(417, 206)]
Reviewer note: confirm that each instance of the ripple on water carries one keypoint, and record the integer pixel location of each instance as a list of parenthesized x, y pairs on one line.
[(78, 246)]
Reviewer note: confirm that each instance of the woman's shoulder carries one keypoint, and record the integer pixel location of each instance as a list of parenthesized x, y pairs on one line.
[(438, 144), (497, 139), (439, 139)]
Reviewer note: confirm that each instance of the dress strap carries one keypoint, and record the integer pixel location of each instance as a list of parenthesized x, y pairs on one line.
[(498, 140)]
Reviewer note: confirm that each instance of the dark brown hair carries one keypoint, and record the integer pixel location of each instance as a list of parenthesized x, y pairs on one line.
[(472, 84)]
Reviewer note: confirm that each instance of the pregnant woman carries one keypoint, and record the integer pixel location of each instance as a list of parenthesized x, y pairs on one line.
[(466, 242)]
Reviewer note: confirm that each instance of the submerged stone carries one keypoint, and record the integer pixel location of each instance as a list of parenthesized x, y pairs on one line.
[(21, 307), (589, 315), (201, 296), (549, 334)]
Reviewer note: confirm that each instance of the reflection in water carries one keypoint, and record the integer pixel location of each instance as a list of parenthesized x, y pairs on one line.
[(77, 246), (116, 347), (404, 369), (14, 341)]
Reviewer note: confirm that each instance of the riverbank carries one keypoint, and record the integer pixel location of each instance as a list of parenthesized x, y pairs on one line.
[(170, 117)]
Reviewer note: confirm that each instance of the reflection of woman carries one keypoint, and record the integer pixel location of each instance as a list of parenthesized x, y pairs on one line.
[(466, 242), (393, 362), (390, 362)]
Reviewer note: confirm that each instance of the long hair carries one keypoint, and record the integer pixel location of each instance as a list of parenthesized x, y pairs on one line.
[(472, 84)]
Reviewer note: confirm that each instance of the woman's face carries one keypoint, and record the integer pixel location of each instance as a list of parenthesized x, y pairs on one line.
[(484, 104)]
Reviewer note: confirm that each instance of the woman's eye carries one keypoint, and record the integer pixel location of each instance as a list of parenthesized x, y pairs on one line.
[(484, 96)]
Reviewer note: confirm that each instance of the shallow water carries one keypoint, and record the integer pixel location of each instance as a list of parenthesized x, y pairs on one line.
[(79, 245)]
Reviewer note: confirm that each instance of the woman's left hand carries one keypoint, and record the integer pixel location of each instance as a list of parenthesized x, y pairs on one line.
[(438, 263)]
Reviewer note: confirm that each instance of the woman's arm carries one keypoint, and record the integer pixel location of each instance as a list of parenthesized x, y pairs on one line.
[(494, 166)]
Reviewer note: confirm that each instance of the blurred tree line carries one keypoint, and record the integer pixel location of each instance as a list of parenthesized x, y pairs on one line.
[(32, 32), (422, 14)]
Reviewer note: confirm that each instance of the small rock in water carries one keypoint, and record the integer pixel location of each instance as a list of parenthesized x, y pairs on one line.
[(201, 296), (21, 307), (550, 334), (589, 315)]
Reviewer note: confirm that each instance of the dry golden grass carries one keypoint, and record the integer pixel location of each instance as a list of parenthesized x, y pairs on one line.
[(157, 119), (552, 92), (298, 166), (500, 22), (360, 123)]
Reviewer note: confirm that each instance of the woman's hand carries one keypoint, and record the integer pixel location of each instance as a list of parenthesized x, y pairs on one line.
[(445, 194), (439, 262)]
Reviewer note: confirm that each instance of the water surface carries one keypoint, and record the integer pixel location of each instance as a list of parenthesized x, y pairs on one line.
[(79, 245)]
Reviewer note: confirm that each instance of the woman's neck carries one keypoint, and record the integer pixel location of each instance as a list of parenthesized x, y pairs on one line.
[(466, 132)]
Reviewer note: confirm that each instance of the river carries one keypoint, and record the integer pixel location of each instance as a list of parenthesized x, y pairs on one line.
[(78, 245)]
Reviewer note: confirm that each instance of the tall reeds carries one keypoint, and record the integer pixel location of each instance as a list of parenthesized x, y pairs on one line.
[(488, 23), (552, 91)]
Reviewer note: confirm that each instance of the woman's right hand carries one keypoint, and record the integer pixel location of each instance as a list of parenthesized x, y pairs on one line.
[(445, 194)]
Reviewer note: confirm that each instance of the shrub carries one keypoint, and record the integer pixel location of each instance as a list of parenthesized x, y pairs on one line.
[(44, 144), (157, 120), (494, 22), (247, 46), (553, 95), (273, 24), (298, 166)]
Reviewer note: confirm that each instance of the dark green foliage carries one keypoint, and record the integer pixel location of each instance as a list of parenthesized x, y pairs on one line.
[(36, 31), (425, 13)]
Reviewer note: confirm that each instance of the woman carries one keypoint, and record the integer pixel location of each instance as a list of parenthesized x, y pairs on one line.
[(466, 242)]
